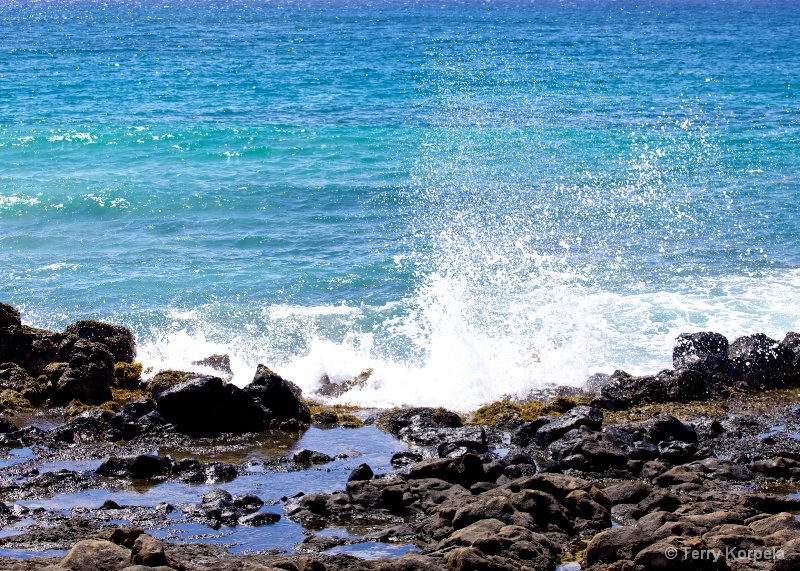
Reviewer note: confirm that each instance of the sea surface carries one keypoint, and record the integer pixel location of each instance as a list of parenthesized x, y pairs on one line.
[(471, 198)]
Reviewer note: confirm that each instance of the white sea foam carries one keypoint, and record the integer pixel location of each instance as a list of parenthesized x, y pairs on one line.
[(445, 347)]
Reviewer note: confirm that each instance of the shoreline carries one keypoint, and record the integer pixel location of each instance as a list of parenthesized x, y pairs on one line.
[(695, 459)]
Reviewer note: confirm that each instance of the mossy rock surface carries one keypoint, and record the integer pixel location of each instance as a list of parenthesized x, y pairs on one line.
[(13, 401), (165, 380), (127, 375)]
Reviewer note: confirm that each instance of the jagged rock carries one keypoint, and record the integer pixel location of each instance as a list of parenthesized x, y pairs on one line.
[(127, 375), (9, 316), (761, 363), (705, 351), (587, 416), (165, 380), (119, 340), (588, 451), (361, 472), (88, 376), (330, 389), (208, 406), (280, 398), (13, 377), (623, 390), (6, 425)]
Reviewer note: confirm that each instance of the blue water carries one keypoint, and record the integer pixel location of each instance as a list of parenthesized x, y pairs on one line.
[(470, 198)]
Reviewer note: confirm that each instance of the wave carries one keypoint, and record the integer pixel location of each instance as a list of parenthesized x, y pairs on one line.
[(444, 346)]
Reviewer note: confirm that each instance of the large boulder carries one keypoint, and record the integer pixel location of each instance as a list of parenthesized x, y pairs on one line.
[(119, 340), (96, 555), (279, 397), (207, 406), (761, 363), (705, 351), (88, 376)]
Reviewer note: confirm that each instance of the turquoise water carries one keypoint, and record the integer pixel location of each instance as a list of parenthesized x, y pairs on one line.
[(470, 198)]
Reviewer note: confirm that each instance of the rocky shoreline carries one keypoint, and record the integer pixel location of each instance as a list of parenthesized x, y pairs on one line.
[(695, 467)]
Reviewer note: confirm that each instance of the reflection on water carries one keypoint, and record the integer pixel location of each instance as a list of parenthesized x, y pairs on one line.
[(362, 445)]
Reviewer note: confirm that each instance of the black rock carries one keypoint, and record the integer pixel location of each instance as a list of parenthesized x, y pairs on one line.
[(208, 407), (361, 472), (6, 425), (137, 467), (119, 340), (406, 421), (259, 518), (88, 377), (280, 398), (138, 408), (704, 351), (587, 416), (404, 458), (762, 363), (9, 316), (623, 390), (304, 456), (525, 433)]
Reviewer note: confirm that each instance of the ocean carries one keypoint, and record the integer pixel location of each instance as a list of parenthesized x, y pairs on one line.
[(473, 199)]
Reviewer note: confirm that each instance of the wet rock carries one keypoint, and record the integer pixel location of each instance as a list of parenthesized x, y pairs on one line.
[(39, 347), (221, 363), (311, 457), (215, 472), (218, 507), (587, 416), (259, 518), (524, 435), (88, 377), (96, 555), (361, 472), (325, 417), (127, 375), (119, 340), (280, 398), (623, 390), (405, 422), (208, 406), (705, 351), (92, 425), (761, 363), (137, 467), (405, 458), (450, 442), (332, 389), (165, 380), (148, 551)]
